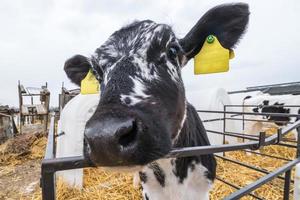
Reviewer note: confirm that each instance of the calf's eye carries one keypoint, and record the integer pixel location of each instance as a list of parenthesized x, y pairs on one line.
[(172, 52)]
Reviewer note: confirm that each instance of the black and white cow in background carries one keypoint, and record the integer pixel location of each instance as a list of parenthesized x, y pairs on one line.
[(143, 113), (271, 104)]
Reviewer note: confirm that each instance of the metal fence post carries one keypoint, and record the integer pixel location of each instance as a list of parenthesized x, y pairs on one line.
[(48, 184), (224, 126), (287, 182), (298, 142)]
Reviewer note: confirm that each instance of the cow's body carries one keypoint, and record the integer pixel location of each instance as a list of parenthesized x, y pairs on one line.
[(143, 112), (270, 104), (172, 178)]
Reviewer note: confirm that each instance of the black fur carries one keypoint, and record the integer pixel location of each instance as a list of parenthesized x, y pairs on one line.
[(77, 68), (266, 102), (193, 134), (143, 177)]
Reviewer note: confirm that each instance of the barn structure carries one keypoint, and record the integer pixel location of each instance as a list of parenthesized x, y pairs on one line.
[(33, 106), (8, 128)]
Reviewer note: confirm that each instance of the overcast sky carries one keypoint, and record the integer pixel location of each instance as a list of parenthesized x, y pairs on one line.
[(37, 37)]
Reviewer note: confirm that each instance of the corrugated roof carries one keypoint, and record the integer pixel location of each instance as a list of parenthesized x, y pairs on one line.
[(291, 89)]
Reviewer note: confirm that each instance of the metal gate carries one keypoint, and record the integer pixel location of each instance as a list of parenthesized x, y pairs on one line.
[(51, 164)]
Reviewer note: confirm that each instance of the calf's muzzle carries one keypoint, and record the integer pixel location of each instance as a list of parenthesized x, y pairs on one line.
[(112, 141)]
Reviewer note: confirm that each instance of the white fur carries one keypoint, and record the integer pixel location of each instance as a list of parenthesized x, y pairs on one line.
[(109, 70), (173, 71), (195, 186)]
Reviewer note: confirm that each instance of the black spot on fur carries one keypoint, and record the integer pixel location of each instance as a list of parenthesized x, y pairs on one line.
[(143, 177), (277, 108), (127, 100), (255, 110), (266, 102), (146, 197), (247, 97), (158, 173)]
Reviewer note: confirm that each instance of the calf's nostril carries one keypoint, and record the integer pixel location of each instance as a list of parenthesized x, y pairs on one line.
[(127, 134)]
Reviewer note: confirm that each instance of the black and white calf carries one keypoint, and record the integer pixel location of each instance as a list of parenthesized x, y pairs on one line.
[(271, 104), (143, 113)]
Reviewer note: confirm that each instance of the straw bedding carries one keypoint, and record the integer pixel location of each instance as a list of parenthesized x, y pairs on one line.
[(99, 184)]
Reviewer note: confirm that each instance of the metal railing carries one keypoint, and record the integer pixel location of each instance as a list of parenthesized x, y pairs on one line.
[(51, 164)]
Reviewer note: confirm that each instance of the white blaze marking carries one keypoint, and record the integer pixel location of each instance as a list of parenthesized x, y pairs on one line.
[(146, 69), (181, 124), (138, 93)]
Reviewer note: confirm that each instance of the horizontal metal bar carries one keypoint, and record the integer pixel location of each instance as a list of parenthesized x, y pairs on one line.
[(248, 137), (251, 113), (213, 120), (287, 145), (36, 114), (249, 188), (289, 140), (57, 164), (233, 135), (266, 155), (236, 187), (30, 94), (243, 134), (258, 120), (247, 166), (201, 150), (236, 105)]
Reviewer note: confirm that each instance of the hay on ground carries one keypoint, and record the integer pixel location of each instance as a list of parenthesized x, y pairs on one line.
[(99, 184)]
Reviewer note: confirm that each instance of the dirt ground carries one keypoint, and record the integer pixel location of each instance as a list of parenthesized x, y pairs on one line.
[(20, 160), (18, 182)]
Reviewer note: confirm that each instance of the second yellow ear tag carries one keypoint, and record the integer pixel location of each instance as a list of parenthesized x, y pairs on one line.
[(89, 85), (212, 58)]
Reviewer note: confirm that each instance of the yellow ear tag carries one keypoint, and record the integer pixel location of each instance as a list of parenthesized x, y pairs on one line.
[(212, 58), (89, 85)]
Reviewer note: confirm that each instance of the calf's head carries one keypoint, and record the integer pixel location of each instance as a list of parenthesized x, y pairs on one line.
[(142, 105)]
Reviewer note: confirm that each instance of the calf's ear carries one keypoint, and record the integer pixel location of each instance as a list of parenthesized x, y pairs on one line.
[(227, 22), (77, 68)]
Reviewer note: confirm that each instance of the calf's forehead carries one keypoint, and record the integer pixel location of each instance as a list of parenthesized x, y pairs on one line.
[(136, 55), (134, 40)]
